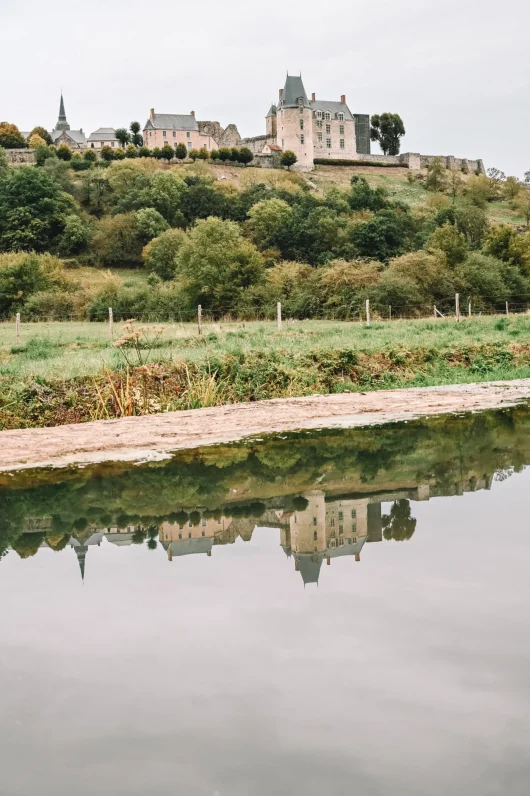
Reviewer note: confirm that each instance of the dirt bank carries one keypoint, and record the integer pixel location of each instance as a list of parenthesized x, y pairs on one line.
[(140, 438)]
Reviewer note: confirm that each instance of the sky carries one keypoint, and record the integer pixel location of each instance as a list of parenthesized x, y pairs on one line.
[(457, 71)]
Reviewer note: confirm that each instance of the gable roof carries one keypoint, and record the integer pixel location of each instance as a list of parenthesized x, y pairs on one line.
[(103, 134), (77, 136), (172, 121), (293, 92), (332, 107)]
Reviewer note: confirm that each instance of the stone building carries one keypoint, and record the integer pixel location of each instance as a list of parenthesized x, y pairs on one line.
[(103, 136), (312, 128), (62, 134), (174, 128)]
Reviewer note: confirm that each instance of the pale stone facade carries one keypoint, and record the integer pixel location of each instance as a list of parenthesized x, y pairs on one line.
[(173, 129)]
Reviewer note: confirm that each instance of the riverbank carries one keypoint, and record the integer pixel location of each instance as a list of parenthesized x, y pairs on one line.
[(157, 436)]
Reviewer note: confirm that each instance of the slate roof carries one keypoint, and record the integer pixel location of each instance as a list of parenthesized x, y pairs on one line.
[(187, 547), (294, 91), (172, 121), (103, 134), (309, 566), (273, 110), (76, 135), (332, 107)]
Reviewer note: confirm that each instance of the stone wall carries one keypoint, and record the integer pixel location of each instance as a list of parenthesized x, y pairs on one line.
[(415, 161), (256, 143), (271, 161), (20, 157), (455, 164), (230, 137)]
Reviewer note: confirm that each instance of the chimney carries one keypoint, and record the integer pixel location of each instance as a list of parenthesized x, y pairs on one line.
[(281, 93), (152, 114), (343, 99), (357, 556), (192, 113), (313, 97)]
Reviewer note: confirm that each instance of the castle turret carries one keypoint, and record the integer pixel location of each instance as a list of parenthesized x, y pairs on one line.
[(295, 122), (62, 123), (271, 122)]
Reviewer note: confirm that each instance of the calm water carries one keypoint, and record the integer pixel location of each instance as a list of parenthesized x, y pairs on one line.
[(329, 613)]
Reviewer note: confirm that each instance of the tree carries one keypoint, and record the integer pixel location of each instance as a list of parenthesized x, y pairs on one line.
[(33, 210), (119, 153), (472, 222), (511, 188), (131, 151), (35, 141), (495, 178), (23, 274), (399, 525), (436, 179), (180, 151), (90, 155), (245, 155), (167, 152), (388, 234), (270, 223), (116, 241), (508, 245), (122, 136), (44, 134), (363, 197), (455, 184), (479, 190), (234, 154), (144, 152), (64, 152), (193, 154), (107, 153), (225, 154), (75, 236), (214, 154), (136, 137), (96, 191), (4, 165), (11, 137), (203, 154), (451, 242), (522, 205), (149, 223), (288, 158), (159, 255), (218, 265), (387, 129), (44, 153)]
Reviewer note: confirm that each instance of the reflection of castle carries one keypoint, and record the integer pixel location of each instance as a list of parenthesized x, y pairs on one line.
[(314, 528)]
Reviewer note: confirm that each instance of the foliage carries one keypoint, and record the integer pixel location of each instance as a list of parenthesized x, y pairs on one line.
[(116, 241), (451, 242), (150, 223), (159, 255), (363, 197), (387, 129), (225, 154), (90, 156), (4, 165), (288, 158), (122, 135), (181, 152), (11, 137), (64, 152), (245, 155), (107, 153), (35, 141), (472, 222), (42, 133), (168, 153), (131, 151), (75, 236), (505, 243), (22, 275), (32, 210), (388, 234), (479, 190), (136, 136), (399, 524), (436, 179), (96, 191)]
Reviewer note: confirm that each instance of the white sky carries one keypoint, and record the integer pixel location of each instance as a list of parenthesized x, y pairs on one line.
[(457, 71)]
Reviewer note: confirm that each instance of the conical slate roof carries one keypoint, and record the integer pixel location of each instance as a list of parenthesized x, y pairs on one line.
[(272, 111), (294, 93), (62, 124)]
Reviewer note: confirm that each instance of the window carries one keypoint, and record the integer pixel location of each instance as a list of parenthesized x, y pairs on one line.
[(174, 134), (301, 109), (354, 539), (150, 132), (341, 516), (190, 145), (164, 133), (92, 145), (314, 521), (302, 139), (112, 143), (300, 100), (354, 527), (189, 536), (180, 536), (204, 523), (319, 136), (190, 524), (341, 530), (181, 527), (332, 522), (328, 143), (328, 116), (301, 124), (341, 542), (341, 129), (319, 114), (342, 143), (332, 534), (319, 125), (340, 117), (353, 514), (315, 536), (328, 129), (203, 533), (188, 134)]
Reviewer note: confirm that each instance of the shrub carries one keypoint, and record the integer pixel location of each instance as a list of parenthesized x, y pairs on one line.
[(363, 197), (203, 154), (119, 153), (181, 152), (245, 155), (344, 162), (44, 153), (149, 223), (116, 241), (159, 255), (214, 154), (107, 153), (167, 152), (90, 155), (225, 154), (78, 164), (75, 236), (288, 158), (131, 151), (22, 275), (193, 154), (144, 152), (35, 141)]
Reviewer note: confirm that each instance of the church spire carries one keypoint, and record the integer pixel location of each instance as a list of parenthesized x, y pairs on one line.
[(62, 123), (81, 552)]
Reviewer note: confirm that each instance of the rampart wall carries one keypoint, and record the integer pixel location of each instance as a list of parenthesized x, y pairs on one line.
[(20, 157)]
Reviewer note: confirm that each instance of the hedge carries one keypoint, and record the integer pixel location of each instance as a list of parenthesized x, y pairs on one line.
[(335, 162)]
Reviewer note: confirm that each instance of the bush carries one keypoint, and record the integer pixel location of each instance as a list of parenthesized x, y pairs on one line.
[(75, 236), (214, 154), (22, 275), (64, 152), (44, 153), (181, 152), (107, 153), (131, 151), (225, 154), (149, 224), (288, 158), (159, 255), (116, 241), (144, 152), (363, 197), (55, 305), (245, 155), (343, 162), (78, 164), (90, 155)]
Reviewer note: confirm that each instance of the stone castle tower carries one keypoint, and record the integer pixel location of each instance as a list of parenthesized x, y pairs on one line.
[(294, 122), (271, 122)]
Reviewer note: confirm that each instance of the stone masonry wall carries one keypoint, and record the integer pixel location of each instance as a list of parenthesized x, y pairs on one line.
[(20, 157)]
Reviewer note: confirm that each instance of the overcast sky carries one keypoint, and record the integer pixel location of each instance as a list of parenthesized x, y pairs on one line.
[(457, 71)]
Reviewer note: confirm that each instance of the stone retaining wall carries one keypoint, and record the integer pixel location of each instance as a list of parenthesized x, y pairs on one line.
[(20, 157)]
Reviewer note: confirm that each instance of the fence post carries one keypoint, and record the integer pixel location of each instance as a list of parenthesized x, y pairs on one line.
[(390, 311), (435, 313), (199, 318), (507, 310), (279, 316), (111, 323), (368, 312), (469, 308), (457, 307), (17, 329)]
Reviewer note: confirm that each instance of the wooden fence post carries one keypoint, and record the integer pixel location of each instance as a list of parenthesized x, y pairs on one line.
[(457, 307), (469, 308), (279, 316), (17, 329), (435, 313), (368, 312), (199, 318), (390, 312), (111, 323), (507, 310)]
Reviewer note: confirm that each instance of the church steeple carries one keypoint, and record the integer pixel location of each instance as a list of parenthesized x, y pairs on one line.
[(81, 552), (62, 124)]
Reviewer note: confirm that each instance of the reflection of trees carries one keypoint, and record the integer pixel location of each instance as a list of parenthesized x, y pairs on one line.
[(399, 525)]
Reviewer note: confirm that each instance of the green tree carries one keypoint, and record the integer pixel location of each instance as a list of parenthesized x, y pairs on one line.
[(270, 223), (193, 154), (159, 255), (149, 223), (43, 133), (511, 188), (131, 151), (119, 153), (522, 205), (122, 135), (167, 152), (508, 245), (180, 151), (4, 165), (165, 192), (75, 236), (144, 152), (479, 190), (44, 153), (64, 152), (472, 222), (288, 158), (33, 210), (116, 242), (107, 153), (363, 197), (234, 154), (90, 155), (203, 154), (436, 179), (11, 137), (24, 274), (96, 191), (399, 524), (388, 234), (214, 154), (218, 265), (245, 155), (225, 154), (451, 242), (387, 129), (136, 137)]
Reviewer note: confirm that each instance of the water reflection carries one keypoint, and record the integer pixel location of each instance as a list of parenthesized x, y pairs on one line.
[(323, 492)]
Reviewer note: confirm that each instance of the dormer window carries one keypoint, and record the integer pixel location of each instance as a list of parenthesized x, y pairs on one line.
[(340, 117), (319, 114), (328, 116), (300, 101)]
